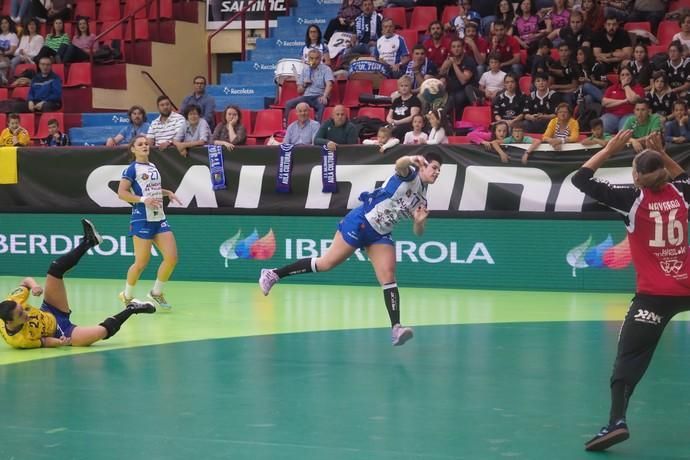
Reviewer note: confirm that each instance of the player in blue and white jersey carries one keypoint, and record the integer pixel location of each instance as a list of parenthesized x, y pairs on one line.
[(369, 226), (141, 186)]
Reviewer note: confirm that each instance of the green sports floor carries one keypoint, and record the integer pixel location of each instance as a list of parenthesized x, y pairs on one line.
[(309, 373)]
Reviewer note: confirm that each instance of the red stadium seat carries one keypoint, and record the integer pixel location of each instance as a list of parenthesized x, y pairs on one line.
[(554, 54), (292, 116), (166, 9), (410, 36), (247, 119), (449, 12), (4, 94), (525, 84), (286, 91), (79, 75), (397, 14), (109, 10), (328, 111), (267, 122), (22, 67), (353, 88), (59, 70), (638, 26), (372, 112), (115, 34), (422, 16), (478, 115), (28, 122), (85, 8), (251, 141), (335, 94), (133, 5), (655, 49), (677, 4), (20, 92), (667, 29), (42, 130), (141, 29), (3, 120), (458, 140), (387, 87)]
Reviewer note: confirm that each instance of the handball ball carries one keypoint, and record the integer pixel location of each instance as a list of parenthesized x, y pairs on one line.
[(430, 90)]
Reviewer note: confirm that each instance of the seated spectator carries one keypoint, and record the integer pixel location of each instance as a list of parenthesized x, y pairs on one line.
[(540, 107), (509, 104), (439, 127), (591, 76), (338, 130), (465, 16), (416, 136), (230, 132), (391, 49), (652, 11), (563, 75), (50, 10), (54, 40), (558, 17), (45, 94), (660, 97), (14, 134), (499, 132), (476, 47), (598, 136), (677, 69), (367, 28), (541, 61), (643, 124), (491, 83), (345, 21), (618, 101), (314, 84), (403, 108), (313, 40), (19, 10), (564, 128), (575, 34), (612, 45), (594, 15), (437, 46), (677, 129), (8, 45), (504, 13), (527, 25), (517, 135), (194, 133), (163, 129), (507, 48), (640, 67), (619, 9), (138, 126), (29, 46), (684, 35), (201, 99), (83, 44), (420, 67), (55, 138), (303, 130), (458, 73), (384, 139)]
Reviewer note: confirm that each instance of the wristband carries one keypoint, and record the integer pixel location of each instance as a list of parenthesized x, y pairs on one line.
[(142, 199)]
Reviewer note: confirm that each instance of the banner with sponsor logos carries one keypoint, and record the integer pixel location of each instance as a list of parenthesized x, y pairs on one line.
[(219, 11), (524, 254), (473, 182)]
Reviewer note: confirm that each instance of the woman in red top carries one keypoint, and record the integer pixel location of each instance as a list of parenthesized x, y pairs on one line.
[(619, 101), (655, 212)]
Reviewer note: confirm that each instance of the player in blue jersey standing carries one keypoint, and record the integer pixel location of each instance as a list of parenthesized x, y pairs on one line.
[(141, 186), (369, 226)]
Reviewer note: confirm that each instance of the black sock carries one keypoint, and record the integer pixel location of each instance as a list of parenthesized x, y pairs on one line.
[(301, 266), (620, 394), (113, 323), (392, 298), (61, 265)]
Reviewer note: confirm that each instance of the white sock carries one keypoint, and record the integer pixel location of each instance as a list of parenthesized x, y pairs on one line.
[(158, 287), (128, 290)]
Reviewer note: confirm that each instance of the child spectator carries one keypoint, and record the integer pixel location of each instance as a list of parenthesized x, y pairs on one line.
[(384, 139), (14, 134), (509, 104), (438, 123), (491, 83), (416, 136), (517, 136), (499, 132), (541, 60), (598, 136), (540, 108), (677, 129), (563, 75), (55, 137)]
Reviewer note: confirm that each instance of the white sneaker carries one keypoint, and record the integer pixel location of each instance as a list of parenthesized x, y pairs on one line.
[(400, 335), (267, 279)]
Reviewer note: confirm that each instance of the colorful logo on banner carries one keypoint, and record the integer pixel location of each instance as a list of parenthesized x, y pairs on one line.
[(250, 247), (601, 255)]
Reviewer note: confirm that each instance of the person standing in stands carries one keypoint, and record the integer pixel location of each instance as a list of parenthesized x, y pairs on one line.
[(201, 99)]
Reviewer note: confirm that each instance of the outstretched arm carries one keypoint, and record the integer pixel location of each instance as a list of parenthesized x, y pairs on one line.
[(673, 168), (32, 285), (615, 145), (402, 165)]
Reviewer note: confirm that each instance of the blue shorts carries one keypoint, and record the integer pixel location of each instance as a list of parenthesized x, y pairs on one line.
[(147, 230), (357, 231), (64, 325)]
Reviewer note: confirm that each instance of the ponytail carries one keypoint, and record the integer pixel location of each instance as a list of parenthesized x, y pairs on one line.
[(651, 173)]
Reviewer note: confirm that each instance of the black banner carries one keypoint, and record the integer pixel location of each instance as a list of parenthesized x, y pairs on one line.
[(473, 182)]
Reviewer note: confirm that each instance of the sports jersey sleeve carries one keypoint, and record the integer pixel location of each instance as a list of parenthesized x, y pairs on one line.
[(410, 175), (682, 184), (620, 198), (402, 50), (129, 173), (20, 295)]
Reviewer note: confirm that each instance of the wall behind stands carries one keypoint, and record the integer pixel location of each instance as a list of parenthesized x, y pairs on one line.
[(497, 247)]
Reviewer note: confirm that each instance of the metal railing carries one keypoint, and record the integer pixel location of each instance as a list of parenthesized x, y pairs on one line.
[(163, 93), (243, 18)]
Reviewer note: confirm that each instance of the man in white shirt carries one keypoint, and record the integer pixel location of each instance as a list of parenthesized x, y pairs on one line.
[(391, 48), (164, 128)]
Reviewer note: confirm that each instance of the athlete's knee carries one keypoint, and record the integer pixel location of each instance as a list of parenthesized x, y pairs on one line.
[(170, 259), (140, 263), (323, 264)]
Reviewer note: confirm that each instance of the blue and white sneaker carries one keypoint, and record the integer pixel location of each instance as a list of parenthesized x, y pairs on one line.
[(608, 436)]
